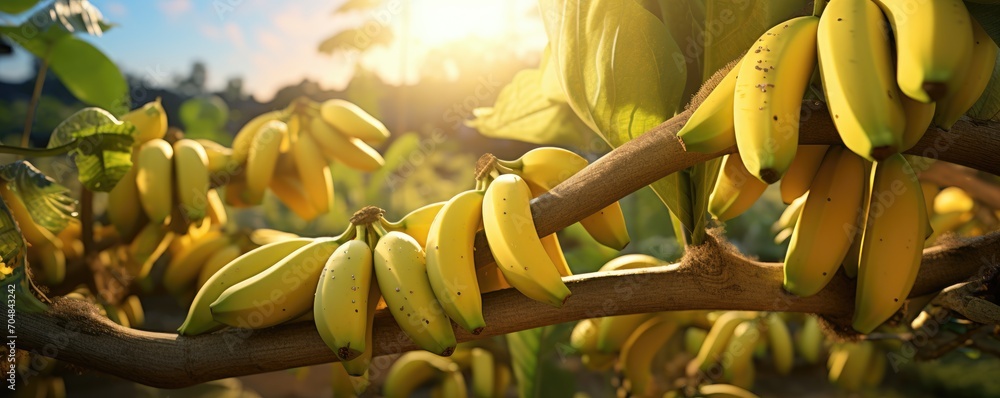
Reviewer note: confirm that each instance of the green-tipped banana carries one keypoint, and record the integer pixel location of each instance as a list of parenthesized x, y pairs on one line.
[(451, 266)]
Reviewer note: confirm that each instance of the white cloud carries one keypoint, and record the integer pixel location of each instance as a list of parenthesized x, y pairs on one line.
[(174, 8), (235, 35)]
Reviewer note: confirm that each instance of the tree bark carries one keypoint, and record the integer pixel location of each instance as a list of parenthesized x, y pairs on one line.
[(709, 277)]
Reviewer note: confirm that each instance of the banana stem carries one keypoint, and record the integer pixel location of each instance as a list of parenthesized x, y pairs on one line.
[(379, 230), (361, 232), (818, 6), (348, 234)]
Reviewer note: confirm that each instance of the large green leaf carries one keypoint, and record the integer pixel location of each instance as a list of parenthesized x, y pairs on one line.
[(16, 6), (89, 74), (49, 203), (14, 262), (988, 15), (103, 146), (685, 19), (531, 353), (731, 26)]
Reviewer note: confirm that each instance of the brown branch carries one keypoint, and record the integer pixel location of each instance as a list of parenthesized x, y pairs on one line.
[(948, 175), (709, 277)]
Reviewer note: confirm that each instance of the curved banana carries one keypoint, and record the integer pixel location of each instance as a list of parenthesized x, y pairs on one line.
[(875, 371), (314, 171), (401, 270), (483, 374), (711, 126), (216, 261), (515, 244), (43, 245), (892, 245), (614, 331), (417, 223), (242, 142), (216, 211), (918, 118), (973, 81), (859, 79), (413, 369), (291, 191), (825, 228), (155, 165), (452, 385), (359, 366), (490, 279), (343, 384), (340, 307), (266, 236), (772, 79), (790, 216), (279, 293), (583, 338), (637, 354), (219, 156), (800, 173), (124, 210), (933, 46), (724, 391), (738, 355), (780, 342), (191, 171), (133, 311), (353, 121), (555, 252), (735, 189), (809, 340), (451, 266), (853, 257), (631, 261), (150, 121), (849, 366), (182, 271), (147, 247), (264, 150), (502, 379), (717, 340), (348, 150)]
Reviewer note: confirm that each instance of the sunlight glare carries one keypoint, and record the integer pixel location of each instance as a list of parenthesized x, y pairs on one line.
[(437, 22)]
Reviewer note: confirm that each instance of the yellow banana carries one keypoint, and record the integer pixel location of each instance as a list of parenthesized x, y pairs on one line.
[(973, 80), (291, 191), (155, 166), (452, 385), (638, 351), (265, 236), (264, 150), (343, 384), (401, 270), (182, 271), (826, 226), (853, 256), (614, 331), (859, 79), (933, 46), (133, 310), (150, 121), (724, 391), (353, 121), (314, 171), (790, 216), (583, 338), (694, 338), (717, 341), (242, 143), (631, 261), (348, 150), (280, 293), (800, 174), (892, 244), (772, 79), (780, 342), (711, 126), (219, 157), (359, 366), (953, 199), (515, 243), (216, 210), (216, 261), (501, 381), (918, 118), (451, 266), (739, 350), (930, 191), (809, 340), (413, 369), (417, 223), (875, 371), (735, 189), (555, 252), (191, 171), (483, 374), (849, 367), (44, 246), (147, 247), (490, 279), (124, 210), (340, 307)]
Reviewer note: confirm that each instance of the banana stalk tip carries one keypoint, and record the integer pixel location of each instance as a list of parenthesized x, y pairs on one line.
[(935, 90)]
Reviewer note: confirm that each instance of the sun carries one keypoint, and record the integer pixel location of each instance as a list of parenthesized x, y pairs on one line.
[(439, 22)]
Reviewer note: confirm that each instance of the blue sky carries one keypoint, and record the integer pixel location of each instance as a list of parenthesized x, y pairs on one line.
[(273, 43)]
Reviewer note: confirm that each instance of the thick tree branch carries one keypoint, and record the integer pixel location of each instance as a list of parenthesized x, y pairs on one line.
[(709, 278)]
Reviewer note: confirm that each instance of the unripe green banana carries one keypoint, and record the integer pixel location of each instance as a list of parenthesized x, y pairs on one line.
[(809, 340), (483, 374), (717, 340)]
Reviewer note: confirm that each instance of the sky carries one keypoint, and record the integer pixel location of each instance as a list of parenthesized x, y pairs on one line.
[(272, 44)]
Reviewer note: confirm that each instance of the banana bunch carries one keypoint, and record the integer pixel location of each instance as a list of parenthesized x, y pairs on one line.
[(416, 370), (857, 366), (44, 247), (951, 209)]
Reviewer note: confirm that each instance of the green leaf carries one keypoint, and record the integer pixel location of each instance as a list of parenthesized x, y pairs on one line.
[(988, 105), (14, 262), (47, 201), (16, 6), (103, 151), (988, 15), (731, 26), (71, 15), (206, 113), (525, 348), (89, 74), (358, 39), (685, 20), (703, 178), (675, 191)]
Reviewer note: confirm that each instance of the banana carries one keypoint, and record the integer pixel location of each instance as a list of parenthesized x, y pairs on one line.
[(236, 191), (401, 270), (848, 369), (809, 340), (614, 331), (735, 189), (853, 256), (724, 391), (452, 385), (826, 226), (342, 383), (739, 351), (859, 79), (359, 366), (417, 223), (133, 311), (953, 200), (191, 171), (216, 261), (451, 266), (242, 143), (555, 252), (717, 341), (631, 261), (147, 247), (598, 362), (264, 150), (412, 370), (124, 210), (515, 244), (544, 168), (780, 342), (638, 351), (501, 381), (353, 121), (150, 121), (53, 261), (348, 150), (43, 245), (182, 271), (216, 210), (930, 191), (583, 338), (483, 374), (694, 338), (279, 293), (892, 243), (745, 377), (711, 126), (338, 302), (790, 216), (875, 371), (800, 174), (490, 279), (933, 46), (265, 236), (314, 171), (291, 191), (155, 165), (973, 81), (219, 156), (918, 118), (768, 99)]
